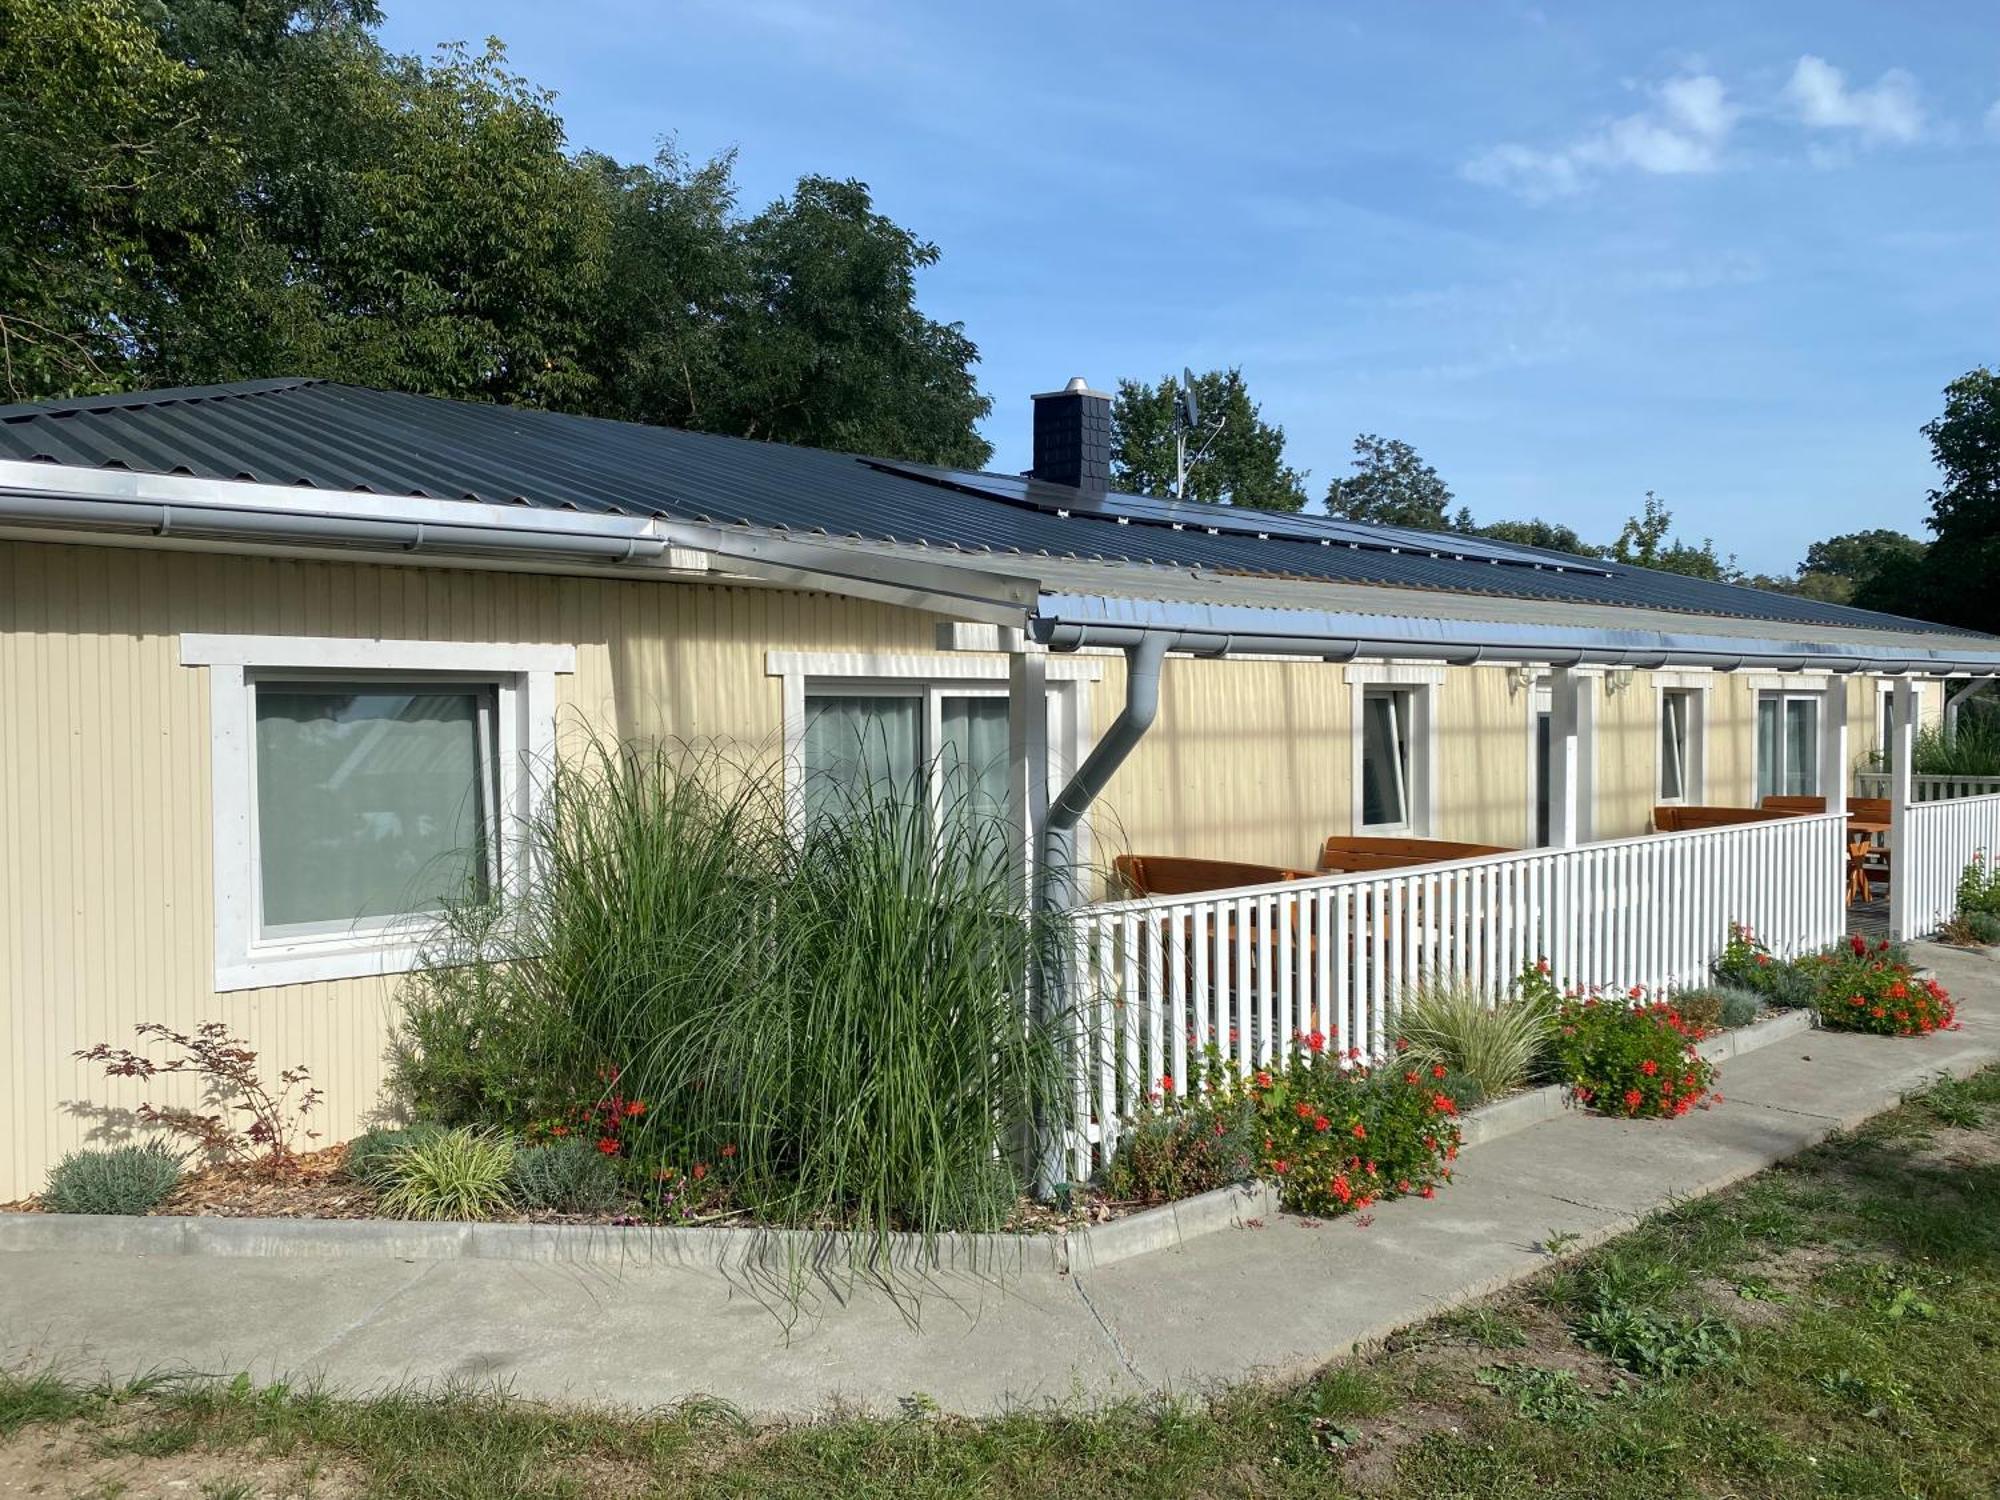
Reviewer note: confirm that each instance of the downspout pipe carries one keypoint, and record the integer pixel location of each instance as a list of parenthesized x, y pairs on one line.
[(1144, 658)]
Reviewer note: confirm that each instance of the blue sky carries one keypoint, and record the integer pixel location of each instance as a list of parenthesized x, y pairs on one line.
[(1727, 252)]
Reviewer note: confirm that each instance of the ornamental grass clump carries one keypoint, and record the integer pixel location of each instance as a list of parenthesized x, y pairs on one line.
[(1462, 1028), (837, 1010), (1339, 1136), (1631, 1057), (117, 1180), (1868, 987), (452, 1174)]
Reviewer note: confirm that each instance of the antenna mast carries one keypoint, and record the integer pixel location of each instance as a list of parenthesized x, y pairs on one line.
[(1187, 419)]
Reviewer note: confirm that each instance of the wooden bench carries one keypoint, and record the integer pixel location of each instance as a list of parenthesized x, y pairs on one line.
[(1172, 875), (1679, 819), (1344, 853), (1874, 809)]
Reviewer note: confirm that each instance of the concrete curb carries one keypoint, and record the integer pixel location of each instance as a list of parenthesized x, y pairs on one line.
[(1489, 1122), (721, 1248)]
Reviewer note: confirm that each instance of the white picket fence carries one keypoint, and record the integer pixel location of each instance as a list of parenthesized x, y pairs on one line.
[(1254, 969), (1927, 788), (1937, 841)]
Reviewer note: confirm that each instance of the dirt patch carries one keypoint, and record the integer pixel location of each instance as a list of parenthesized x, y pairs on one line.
[(68, 1463), (1368, 1463)]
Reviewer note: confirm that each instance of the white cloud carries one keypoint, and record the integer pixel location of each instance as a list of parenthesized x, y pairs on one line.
[(1887, 110), (1684, 132)]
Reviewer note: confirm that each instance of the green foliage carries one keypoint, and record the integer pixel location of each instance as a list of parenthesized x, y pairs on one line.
[(568, 1176), (1241, 463), (1978, 888), (371, 1156), (116, 1180), (1973, 749), (1187, 1146), (1541, 1395), (1630, 1058), (1657, 1345), (1645, 542), (1339, 1139), (1870, 987), (838, 1015), (1701, 1009), (205, 192), (1551, 536), (1836, 567), (449, 1174), (1391, 486), (1496, 1046), (1747, 964)]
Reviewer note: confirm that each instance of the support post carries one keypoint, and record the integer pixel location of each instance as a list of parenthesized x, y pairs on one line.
[(1953, 702), (1902, 768), (1568, 794), (1027, 760), (1833, 766)]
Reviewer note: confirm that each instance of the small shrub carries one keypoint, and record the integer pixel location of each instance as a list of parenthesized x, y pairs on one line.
[(227, 1068), (1459, 1026), (1338, 1136), (1864, 988), (121, 1180), (454, 1174), (1701, 1009), (1630, 1058), (1739, 1007), (1983, 927), (1189, 1146), (371, 1155), (1979, 887), (566, 1177)]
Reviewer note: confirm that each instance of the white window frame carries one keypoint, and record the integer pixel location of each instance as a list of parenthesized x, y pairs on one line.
[(1420, 783), (1806, 690), (1884, 725), (1694, 767), (522, 678), (936, 676)]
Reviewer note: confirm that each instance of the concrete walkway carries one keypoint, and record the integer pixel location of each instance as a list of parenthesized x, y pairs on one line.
[(1283, 1298)]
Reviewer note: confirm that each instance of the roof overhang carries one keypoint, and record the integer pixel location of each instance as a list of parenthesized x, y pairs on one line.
[(1070, 622)]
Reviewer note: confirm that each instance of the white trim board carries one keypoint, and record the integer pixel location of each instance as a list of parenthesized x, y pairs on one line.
[(523, 678)]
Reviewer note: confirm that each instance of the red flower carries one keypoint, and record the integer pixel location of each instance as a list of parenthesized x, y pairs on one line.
[(1166, 1083), (1411, 1077), (1360, 1131), (560, 1130), (700, 1170), (1633, 1098), (1317, 1041), (608, 1146), (1428, 1192), (636, 1108), (1649, 1067), (729, 1150), (1322, 1124)]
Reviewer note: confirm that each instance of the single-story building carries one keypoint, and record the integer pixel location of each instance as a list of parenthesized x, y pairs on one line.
[(264, 644)]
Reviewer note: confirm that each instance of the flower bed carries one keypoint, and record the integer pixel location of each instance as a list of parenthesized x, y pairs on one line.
[(1864, 988)]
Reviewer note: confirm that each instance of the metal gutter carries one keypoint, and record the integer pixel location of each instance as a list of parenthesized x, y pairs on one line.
[(1073, 622)]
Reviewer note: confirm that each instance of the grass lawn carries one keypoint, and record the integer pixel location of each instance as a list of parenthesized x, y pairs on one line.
[(1831, 1327)]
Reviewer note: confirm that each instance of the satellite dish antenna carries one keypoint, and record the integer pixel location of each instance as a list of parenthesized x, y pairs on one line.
[(1190, 412)]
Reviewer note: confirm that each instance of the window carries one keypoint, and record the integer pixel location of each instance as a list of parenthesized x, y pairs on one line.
[(1885, 723), (360, 786), (1677, 744), (375, 801), (947, 745), (1787, 744), (1386, 717)]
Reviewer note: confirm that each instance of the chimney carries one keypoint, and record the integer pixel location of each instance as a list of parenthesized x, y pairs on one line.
[(1073, 438)]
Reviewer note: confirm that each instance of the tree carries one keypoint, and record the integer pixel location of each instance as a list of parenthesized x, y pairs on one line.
[(1836, 567), (1242, 458), (1551, 536), (1645, 541), (1390, 486), (1952, 583), (205, 190), (107, 177)]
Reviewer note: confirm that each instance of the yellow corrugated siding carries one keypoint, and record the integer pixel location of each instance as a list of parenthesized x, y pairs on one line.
[(105, 843)]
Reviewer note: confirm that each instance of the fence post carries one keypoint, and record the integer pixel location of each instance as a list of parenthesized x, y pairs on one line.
[(1902, 858)]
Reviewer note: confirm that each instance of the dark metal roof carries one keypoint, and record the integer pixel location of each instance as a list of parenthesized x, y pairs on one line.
[(348, 438)]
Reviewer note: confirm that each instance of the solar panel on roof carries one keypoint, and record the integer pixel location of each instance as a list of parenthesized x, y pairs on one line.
[(1225, 520)]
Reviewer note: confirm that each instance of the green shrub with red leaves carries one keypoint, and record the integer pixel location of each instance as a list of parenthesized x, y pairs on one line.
[(1337, 1136), (1864, 987), (1631, 1057)]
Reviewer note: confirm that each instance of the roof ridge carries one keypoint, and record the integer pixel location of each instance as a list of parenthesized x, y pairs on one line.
[(65, 406)]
